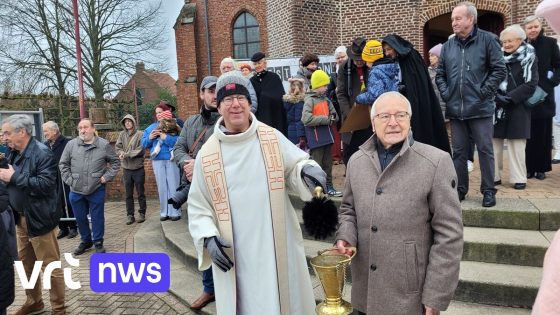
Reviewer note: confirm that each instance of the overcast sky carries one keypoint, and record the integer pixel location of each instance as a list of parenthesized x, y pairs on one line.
[(171, 9)]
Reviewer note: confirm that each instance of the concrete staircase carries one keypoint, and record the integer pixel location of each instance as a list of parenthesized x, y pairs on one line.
[(500, 272)]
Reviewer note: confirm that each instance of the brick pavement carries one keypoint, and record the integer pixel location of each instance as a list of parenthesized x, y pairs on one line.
[(118, 238)]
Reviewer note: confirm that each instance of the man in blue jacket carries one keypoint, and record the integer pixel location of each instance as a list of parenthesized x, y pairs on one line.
[(470, 69)]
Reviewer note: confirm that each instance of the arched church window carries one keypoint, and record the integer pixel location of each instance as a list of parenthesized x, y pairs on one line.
[(246, 36)]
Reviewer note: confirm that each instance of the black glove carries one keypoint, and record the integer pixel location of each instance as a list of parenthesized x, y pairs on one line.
[(215, 246), (314, 176), (503, 100)]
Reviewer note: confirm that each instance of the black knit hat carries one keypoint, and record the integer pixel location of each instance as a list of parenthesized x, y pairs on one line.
[(230, 85)]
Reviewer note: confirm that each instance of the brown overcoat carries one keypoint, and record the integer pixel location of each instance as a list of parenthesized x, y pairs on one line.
[(406, 224)]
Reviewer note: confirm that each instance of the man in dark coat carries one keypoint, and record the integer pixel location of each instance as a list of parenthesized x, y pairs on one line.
[(471, 67), (270, 91), (352, 80), (8, 251), (57, 142), (34, 196), (427, 120), (539, 146)]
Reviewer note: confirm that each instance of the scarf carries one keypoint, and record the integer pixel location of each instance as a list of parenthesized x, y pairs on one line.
[(525, 55)]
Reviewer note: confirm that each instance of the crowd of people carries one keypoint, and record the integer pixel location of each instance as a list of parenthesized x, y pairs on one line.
[(401, 125)]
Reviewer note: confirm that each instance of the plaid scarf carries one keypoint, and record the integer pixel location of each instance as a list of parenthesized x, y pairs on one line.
[(525, 55)]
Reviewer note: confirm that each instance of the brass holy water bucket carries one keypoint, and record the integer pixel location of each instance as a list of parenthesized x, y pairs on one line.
[(331, 270)]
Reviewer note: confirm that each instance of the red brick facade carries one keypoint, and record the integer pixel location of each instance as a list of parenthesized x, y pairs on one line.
[(289, 28)]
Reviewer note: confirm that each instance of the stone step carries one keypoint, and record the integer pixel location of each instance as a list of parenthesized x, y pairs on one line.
[(505, 246), (509, 213), (498, 284), (493, 245), (462, 308), (186, 283), (484, 283)]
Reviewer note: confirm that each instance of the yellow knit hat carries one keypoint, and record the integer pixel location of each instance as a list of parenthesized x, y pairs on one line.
[(372, 51), (319, 78)]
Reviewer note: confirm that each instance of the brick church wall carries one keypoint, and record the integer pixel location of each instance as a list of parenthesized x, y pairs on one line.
[(290, 28)]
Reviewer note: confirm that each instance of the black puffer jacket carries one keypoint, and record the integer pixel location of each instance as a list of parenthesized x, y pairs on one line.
[(469, 74), (33, 189)]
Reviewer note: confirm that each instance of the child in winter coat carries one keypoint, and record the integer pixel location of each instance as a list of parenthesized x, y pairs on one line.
[(293, 104), (317, 117), (383, 74)]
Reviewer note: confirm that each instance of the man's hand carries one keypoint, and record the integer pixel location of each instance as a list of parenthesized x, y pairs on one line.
[(188, 168), (6, 173), (154, 134), (121, 156), (342, 247), (102, 180), (314, 176), (431, 311), (215, 246)]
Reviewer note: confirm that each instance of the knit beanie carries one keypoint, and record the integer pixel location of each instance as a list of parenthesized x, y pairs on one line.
[(319, 78), (372, 51), (436, 50), (232, 84)]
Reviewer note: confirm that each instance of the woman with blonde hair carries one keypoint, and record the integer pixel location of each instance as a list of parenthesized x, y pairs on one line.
[(293, 104)]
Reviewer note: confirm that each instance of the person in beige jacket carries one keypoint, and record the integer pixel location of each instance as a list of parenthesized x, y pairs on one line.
[(130, 151), (401, 210)]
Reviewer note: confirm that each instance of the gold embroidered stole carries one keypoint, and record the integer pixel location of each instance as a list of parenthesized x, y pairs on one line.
[(214, 177)]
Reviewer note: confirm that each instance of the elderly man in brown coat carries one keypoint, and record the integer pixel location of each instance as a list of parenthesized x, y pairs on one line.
[(401, 210)]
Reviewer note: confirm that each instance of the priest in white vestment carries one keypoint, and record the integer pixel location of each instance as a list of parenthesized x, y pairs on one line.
[(239, 196)]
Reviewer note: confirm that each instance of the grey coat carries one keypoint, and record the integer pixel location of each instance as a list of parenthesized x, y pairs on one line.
[(81, 167), (406, 223), (192, 129)]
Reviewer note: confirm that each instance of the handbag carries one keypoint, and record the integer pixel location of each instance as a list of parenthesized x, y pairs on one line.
[(538, 96)]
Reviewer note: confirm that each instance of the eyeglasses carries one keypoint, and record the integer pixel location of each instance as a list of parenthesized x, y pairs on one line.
[(228, 100), (385, 117)]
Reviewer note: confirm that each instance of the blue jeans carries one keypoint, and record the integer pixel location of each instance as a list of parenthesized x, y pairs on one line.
[(208, 281), (94, 204)]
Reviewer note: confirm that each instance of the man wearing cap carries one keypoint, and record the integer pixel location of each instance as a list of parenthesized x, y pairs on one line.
[(270, 91), (198, 129), (255, 248), (351, 81)]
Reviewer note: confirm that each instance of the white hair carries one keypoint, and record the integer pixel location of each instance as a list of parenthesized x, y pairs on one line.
[(227, 60), (471, 9), (514, 29), (386, 95), (340, 50), (51, 125), (531, 18), (20, 121)]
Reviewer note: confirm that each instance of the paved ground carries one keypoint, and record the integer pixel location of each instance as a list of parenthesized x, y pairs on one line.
[(118, 238), (547, 188)]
